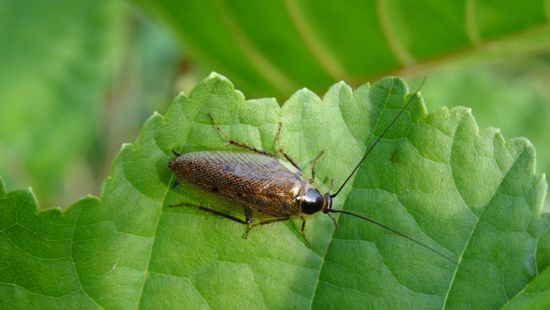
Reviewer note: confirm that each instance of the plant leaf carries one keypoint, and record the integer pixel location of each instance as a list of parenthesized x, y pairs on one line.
[(274, 47), (435, 177)]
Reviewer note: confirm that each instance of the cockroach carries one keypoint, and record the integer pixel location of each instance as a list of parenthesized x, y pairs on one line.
[(265, 183)]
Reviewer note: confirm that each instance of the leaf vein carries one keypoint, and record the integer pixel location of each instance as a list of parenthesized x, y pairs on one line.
[(475, 226), (255, 56), (394, 43), (313, 43)]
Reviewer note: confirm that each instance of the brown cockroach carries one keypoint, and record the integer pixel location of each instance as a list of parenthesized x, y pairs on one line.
[(264, 183)]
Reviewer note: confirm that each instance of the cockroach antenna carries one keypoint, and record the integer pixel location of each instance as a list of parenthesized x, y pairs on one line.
[(378, 139), (328, 209), (368, 219)]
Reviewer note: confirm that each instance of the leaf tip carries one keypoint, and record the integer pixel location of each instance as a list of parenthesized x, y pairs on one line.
[(340, 84), (216, 77), (180, 96), (525, 146), (215, 84), (156, 114), (339, 87)]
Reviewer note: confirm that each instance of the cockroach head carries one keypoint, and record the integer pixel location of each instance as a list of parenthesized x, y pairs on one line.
[(311, 201), (327, 207)]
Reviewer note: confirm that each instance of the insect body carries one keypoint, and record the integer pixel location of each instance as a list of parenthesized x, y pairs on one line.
[(262, 182), (256, 181)]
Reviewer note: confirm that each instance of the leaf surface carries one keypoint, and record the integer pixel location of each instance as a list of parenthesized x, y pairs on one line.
[(274, 47), (468, 193)]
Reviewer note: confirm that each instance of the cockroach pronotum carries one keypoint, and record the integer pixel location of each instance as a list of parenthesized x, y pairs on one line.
[(265, 183)]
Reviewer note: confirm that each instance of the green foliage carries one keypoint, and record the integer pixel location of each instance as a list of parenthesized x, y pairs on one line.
[(55, 59), (468, 193), (274, 47)]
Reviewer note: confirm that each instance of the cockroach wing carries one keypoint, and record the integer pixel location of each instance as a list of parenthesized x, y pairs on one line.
[(257, 181)]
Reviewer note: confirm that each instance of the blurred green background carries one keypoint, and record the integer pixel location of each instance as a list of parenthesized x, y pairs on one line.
[(78, 78)]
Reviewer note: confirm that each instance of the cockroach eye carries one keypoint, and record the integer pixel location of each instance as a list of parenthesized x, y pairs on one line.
[(311, 201)]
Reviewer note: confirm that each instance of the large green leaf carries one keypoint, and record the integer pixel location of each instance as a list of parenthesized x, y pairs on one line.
[(468, 193), (274, 47), (56, 58)]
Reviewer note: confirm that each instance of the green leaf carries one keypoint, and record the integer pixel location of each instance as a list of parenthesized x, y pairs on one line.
[(56, 58), (467, 193), (535, 296), (274, 47)]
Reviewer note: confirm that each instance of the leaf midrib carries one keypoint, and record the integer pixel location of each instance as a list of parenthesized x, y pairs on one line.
[(332, 238), (475, 226)]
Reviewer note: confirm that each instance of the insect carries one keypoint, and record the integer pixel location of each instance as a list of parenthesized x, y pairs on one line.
[(262, 182)]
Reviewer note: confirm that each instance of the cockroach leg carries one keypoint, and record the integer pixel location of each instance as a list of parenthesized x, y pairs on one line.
[(247, 214), (252, 149), (248, 218), (227, 216), (226, 137), (303, 232), (333, 220), (289, 159), (277, 136), (270, 221), (314, 165), (212, 211), (265, 222), (175, 184), (280, 149)]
